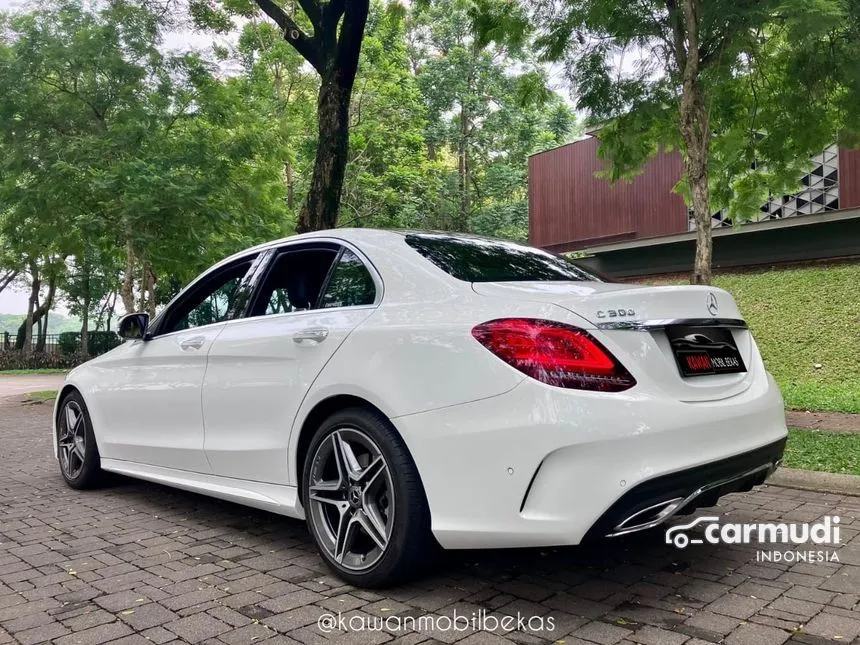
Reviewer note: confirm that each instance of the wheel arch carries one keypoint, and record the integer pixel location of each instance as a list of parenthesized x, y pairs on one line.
[(319, 413), (62, 393)]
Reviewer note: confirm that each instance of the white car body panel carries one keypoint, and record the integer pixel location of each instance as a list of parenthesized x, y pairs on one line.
[(505, 460), (256, 366), (269, 497), (144, 397)]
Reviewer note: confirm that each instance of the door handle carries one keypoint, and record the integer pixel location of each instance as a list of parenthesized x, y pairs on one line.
[(195, 342), (317, 335)]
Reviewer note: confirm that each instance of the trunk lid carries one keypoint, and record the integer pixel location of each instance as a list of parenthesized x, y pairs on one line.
[(605, 302), (632, 320)]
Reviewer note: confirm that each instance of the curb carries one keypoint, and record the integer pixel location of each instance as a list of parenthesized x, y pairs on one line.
[(816, 481)]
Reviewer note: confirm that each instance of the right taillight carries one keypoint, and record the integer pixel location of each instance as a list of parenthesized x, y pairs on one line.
[(554, 353)]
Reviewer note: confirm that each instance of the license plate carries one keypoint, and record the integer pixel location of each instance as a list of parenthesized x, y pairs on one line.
[(700, 351)]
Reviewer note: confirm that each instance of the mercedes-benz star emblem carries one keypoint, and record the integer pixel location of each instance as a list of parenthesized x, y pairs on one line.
[(712, 303)]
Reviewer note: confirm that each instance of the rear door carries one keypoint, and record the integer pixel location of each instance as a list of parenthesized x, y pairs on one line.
[(309, 299)]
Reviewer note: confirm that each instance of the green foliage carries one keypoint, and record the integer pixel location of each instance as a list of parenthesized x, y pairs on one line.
[(69, 342), (15, 362), (780, 80), (109, 143), (488, 108), (99, 342), (124, 162)]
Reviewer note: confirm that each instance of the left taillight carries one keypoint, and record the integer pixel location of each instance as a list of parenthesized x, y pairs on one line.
[(554, 353)]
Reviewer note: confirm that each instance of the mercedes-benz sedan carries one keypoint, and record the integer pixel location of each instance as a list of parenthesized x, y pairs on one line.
[(400, 390)]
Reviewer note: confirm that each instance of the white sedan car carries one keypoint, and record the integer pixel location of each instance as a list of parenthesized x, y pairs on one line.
[(401, 389)]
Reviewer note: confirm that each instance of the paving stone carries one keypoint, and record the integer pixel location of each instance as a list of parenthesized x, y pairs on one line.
[(148, 615), (749, 634), (833, 626), (736, 606), (139, 563), (95, 635), (603, 633), (197, 628)]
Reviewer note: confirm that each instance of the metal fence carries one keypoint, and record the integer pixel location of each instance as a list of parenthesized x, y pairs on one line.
[(51, 346)]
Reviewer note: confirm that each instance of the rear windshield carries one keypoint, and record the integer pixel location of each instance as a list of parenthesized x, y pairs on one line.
[(482, 260)]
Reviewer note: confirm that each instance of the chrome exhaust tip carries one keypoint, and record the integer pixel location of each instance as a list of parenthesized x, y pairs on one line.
[(648, 517)]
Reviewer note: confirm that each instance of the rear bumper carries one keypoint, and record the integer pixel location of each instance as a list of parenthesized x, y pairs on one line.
[(654, 501), (541, 466)]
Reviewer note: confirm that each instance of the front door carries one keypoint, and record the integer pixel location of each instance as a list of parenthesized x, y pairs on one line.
[(150, 400)]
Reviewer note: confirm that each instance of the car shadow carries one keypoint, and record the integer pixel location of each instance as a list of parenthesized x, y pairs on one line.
[(628, 558)]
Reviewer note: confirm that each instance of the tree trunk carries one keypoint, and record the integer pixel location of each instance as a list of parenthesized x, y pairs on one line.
[(38, 324), (144, 284), (696, 132), (333, 51), (321, 205), (41, 313), (463, 172), (85, 312), (35, 285), (150, 289), (694, 119), (291, 185), (126, 289)]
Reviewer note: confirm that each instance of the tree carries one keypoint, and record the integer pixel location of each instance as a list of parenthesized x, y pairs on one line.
[(123, 161), (490, 107), (332, 49), (390, 181), (731, 79)]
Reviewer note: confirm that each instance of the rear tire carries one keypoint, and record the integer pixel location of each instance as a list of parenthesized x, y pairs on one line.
[(364, 501), (77, 452)]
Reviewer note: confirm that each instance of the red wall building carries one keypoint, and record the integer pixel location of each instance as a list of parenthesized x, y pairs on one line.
[(570, 208)]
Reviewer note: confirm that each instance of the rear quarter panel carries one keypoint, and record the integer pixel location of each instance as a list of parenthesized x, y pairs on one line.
[(408, 358)]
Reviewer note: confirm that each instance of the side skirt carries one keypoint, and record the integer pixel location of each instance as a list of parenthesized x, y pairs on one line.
[(275, 498)]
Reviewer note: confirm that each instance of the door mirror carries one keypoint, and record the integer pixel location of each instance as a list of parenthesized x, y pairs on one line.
[(134, 327)]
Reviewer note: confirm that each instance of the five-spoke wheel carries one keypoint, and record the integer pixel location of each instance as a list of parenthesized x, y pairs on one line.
[(351, 498), (364, 501), (72, 439), (76, 445)]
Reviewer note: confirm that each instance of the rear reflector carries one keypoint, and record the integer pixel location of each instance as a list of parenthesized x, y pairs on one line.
[(554, 353)]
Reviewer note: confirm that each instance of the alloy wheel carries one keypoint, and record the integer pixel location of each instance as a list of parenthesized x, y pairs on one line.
[(351, 499), (72, 440)]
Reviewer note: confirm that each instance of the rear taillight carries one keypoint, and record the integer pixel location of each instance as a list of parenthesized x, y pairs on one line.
[(554, 353)]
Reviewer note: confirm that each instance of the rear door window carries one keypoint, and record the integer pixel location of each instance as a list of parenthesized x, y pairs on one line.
[(294, 281), (475, 259)]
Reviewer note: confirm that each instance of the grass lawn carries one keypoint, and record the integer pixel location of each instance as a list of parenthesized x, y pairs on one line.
[(806, 322), (42, 395), (824, 451), (46, 370)]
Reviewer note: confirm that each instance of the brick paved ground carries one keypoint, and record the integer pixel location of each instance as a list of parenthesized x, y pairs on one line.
[(139, 563)]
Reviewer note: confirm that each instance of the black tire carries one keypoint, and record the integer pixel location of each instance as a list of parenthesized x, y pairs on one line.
[(410, 546), (78, 473)]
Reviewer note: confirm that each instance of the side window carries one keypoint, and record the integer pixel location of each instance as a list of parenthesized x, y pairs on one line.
[(294, 281), (350, 284), (212, 301)]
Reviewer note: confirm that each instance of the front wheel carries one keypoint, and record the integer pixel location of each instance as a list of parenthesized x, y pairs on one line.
[(364, 501), (77, 452)]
